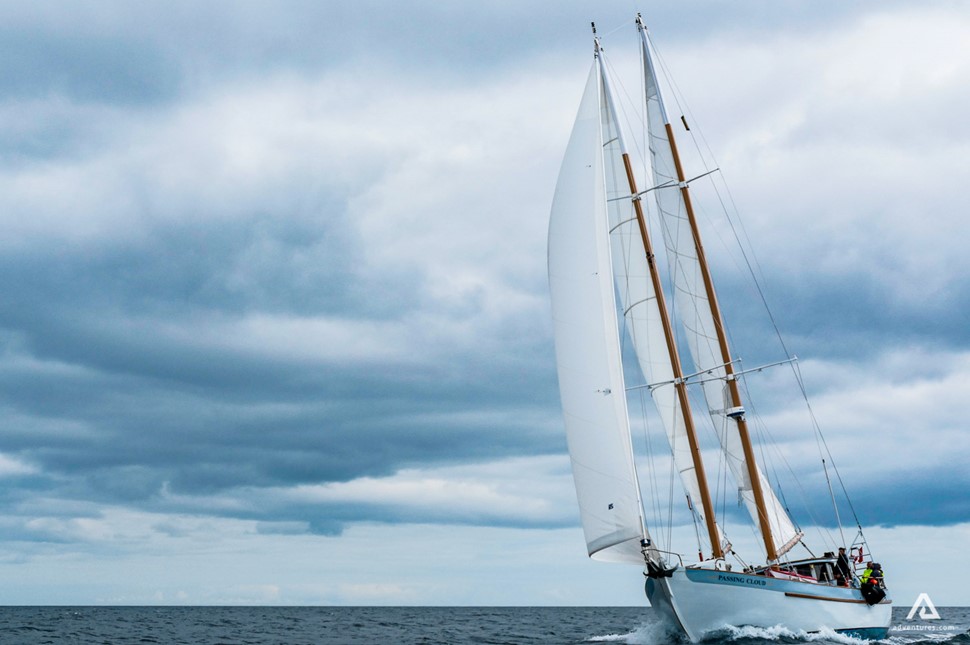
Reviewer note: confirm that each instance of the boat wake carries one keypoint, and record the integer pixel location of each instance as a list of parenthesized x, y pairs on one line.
[(780, 634), (646, 634), (951, 638), (657, 633)]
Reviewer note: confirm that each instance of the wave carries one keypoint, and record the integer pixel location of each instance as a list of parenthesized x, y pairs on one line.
[(780, 634), (652, 633)]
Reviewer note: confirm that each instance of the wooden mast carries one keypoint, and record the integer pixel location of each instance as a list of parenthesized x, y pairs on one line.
[(679, 384), (753, 475), (752, 467)]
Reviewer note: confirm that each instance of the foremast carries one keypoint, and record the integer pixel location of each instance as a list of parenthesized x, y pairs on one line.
[(679, 383)]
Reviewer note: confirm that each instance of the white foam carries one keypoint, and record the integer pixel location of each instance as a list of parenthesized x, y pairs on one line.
[(778, 632), (646, 634)]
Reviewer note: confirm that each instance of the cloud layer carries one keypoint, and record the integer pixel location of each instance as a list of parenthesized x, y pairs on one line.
[(284, 271)]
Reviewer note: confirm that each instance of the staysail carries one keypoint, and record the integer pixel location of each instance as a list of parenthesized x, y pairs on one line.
[(695, 312), (639, 303), (591, 381)]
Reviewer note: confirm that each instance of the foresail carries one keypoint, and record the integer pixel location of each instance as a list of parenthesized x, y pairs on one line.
[(587, 345), (694, 312), (638, 301)]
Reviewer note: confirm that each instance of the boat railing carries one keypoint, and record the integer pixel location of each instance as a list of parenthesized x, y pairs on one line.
[(714, 564), (651, 549)]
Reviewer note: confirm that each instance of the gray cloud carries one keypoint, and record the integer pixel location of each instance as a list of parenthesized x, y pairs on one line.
[(248, 250)]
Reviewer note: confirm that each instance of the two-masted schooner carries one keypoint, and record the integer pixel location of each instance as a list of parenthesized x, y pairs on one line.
[(603, 272)]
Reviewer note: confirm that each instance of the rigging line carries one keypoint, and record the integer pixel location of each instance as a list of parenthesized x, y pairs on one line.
[(722, 462), (692, 503), (683, 379), (834, 505), (721, 489), (670, 500), (644, 136), (798, 375), (681, 102), (702, 211), (820, 443), (623, 26), (767, 441), (692, 377), (735, 222), (739, 240), (667, 184), (628, 310), (655, 489), (750, 259), (699, 401), (626, 221), (758, 284), (675, 315), (674, 471), (697, 533), (803, 493), (626, 101), (755, 270), (624, 336), (765, 437), (751, 262), (673, 307), (628, 335), (697, 138)]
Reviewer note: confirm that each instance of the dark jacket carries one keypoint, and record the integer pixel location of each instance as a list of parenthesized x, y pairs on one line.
[(842, 566)]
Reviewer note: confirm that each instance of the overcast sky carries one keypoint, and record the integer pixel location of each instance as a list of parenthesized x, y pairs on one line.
[(275, 323)]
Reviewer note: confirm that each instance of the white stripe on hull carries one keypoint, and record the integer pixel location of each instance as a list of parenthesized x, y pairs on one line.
[(703, 601)]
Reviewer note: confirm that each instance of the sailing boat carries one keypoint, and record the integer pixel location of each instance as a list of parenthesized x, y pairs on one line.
[(603, 272)]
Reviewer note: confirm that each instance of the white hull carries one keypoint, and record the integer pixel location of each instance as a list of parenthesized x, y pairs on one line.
[(701, 601)]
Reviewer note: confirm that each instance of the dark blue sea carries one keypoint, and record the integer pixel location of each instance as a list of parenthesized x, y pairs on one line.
[(402, 625)]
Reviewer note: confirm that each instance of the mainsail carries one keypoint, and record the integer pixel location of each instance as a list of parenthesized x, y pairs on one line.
[(587, 344), (695, 312)]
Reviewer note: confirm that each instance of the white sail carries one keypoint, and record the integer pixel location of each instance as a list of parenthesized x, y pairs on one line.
[(638, 301), (694, 310), (587, 345)]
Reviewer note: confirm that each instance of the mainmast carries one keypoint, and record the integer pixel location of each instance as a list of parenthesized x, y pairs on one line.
[(737, 410), (679, 383)]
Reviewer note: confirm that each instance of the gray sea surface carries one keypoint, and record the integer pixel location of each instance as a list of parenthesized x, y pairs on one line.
[(394, 625)]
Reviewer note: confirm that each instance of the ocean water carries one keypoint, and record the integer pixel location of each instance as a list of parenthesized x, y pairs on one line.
[(404, 625)]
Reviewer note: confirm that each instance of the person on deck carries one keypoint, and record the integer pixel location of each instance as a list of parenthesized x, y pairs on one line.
[(843, 572), (877, 574), (873, 584), (865, 574), (823, 568)]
